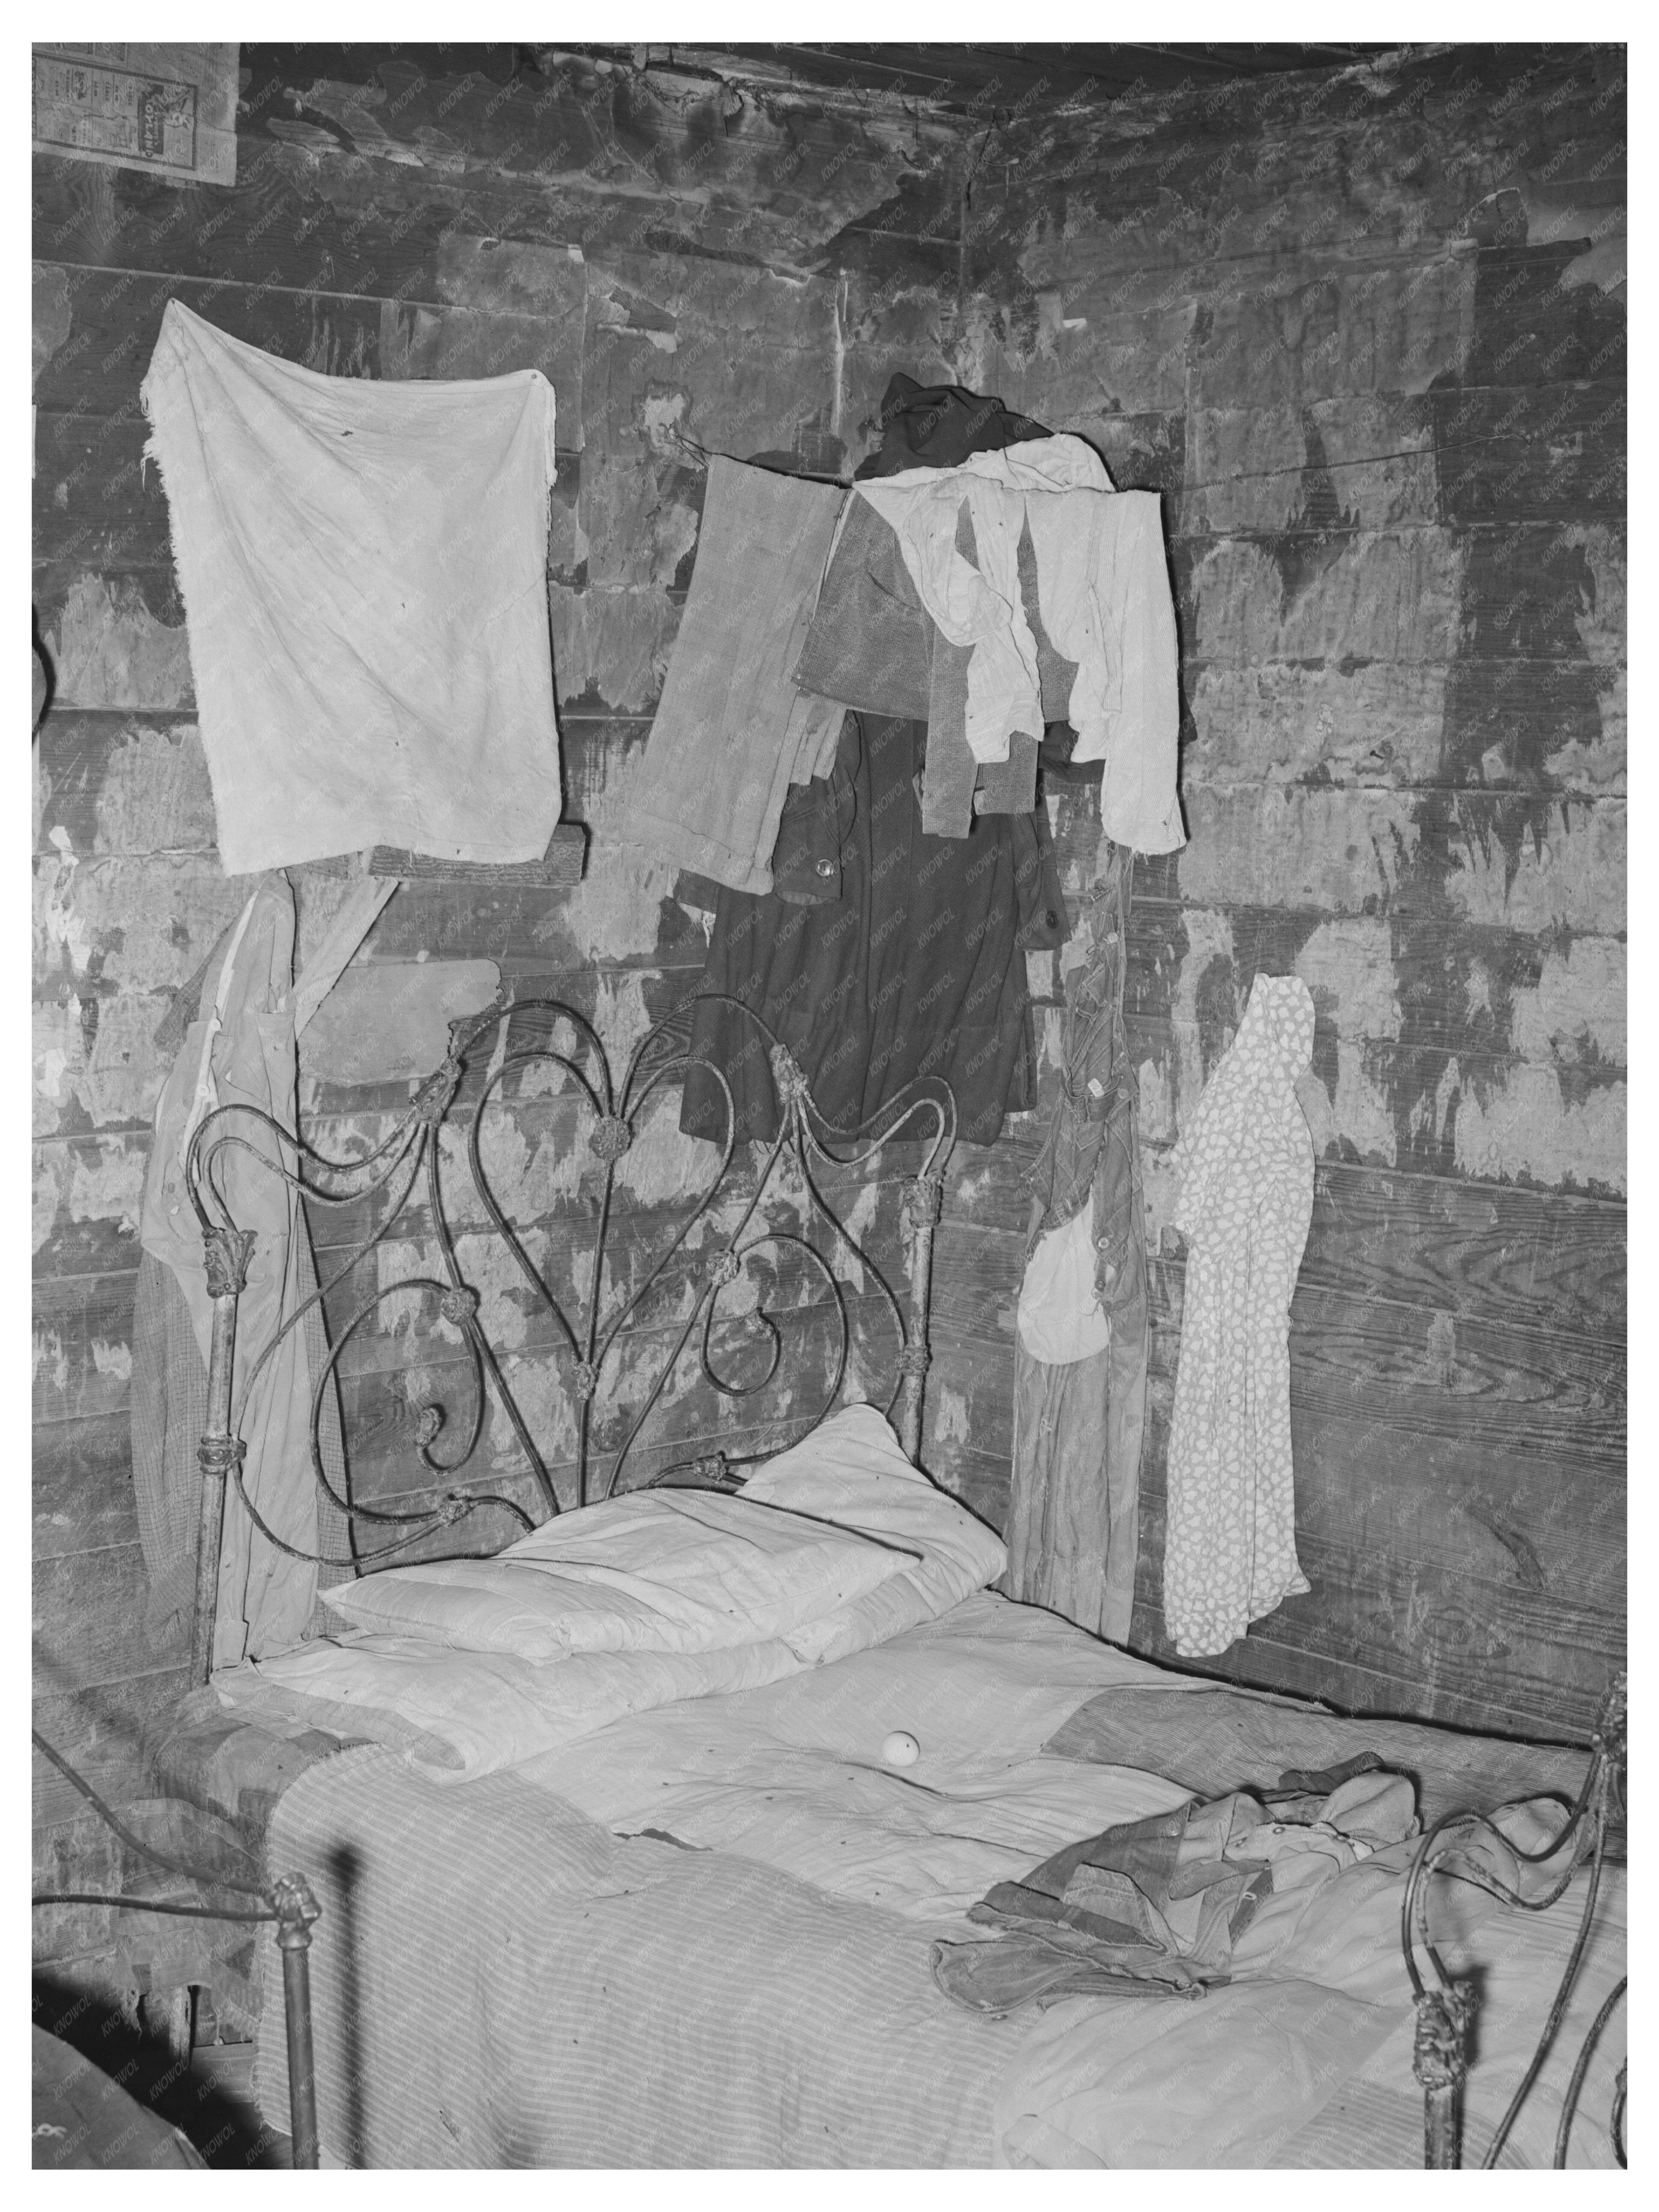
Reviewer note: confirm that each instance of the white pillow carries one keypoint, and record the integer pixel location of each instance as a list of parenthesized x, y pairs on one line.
[(660, 1570), (852, 1473)]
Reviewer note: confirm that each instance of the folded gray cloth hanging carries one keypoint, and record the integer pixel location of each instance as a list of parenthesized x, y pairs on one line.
[(731, 728), (869, 641)]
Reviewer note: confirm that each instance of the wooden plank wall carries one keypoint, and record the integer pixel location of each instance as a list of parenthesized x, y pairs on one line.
[(1367, 335), (1364, 331)]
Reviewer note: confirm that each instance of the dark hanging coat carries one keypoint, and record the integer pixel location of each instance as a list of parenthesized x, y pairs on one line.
[(917, 968)]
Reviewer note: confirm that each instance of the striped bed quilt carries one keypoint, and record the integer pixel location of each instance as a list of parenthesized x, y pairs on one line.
[(703, 1938)]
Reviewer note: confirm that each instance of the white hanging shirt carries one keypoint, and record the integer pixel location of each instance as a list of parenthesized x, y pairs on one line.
[(1103, 591)]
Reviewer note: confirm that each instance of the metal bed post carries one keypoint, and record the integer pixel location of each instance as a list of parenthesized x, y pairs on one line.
[(1446, 2008), (1440, 2062), (226, 1252), (297, 1909), (924, 1202)]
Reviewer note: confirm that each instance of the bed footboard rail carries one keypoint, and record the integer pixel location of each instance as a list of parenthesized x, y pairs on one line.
[(288, 1902)]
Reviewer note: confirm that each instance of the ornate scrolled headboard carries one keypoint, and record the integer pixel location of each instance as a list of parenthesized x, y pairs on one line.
[(443, 1131)]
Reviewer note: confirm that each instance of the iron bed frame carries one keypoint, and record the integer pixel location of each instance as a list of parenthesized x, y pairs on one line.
[(289, 1901), (411, 1152), (395, 1166)]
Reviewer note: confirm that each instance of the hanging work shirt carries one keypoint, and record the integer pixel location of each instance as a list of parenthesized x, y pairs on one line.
[(1013, 590)]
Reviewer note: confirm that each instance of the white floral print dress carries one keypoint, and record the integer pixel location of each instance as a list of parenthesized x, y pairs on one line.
[(1245, 1199)]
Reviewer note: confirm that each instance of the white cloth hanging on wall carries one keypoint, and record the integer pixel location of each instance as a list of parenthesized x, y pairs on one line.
[(1103, 591), (1245, 1199), (1104, 583), (364, 574), (1059, 1317), (977, 602)]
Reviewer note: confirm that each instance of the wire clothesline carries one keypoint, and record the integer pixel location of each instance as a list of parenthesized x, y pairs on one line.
[(700, 456)]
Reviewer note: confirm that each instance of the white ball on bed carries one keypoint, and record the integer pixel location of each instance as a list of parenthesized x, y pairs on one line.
[(900, 1749)]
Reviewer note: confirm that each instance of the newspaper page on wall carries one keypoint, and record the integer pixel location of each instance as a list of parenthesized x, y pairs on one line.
[(171, 110)]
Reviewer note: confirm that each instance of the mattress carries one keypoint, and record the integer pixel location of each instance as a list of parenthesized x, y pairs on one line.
[(702, 1936)]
